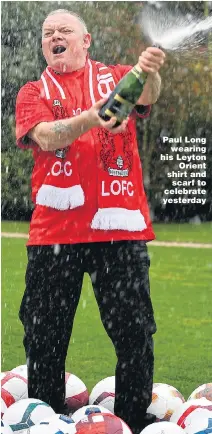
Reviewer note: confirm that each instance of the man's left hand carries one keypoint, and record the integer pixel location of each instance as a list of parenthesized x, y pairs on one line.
[(151, 60)]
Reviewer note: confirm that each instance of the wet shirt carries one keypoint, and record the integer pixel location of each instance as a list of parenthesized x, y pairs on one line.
[(51, 226)]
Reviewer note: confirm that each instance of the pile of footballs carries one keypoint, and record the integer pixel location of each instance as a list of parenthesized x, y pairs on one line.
[(94, 414)]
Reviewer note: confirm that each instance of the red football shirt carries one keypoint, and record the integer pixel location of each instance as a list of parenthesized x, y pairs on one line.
[(51, 226)]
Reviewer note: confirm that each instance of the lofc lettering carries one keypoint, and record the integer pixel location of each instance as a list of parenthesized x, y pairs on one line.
[(118, 187)]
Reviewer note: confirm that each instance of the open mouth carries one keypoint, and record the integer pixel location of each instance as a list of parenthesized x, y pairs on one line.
[(59, 49)]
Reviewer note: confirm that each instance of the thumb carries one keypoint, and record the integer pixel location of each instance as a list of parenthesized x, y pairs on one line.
[(100, 103)]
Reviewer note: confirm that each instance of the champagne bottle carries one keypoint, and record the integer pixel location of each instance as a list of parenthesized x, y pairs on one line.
[(123, 99)]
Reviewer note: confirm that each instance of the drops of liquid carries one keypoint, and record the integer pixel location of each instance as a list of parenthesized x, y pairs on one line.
[(174, 32)]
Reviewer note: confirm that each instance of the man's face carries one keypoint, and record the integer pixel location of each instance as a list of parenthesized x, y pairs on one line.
[(64, 42)]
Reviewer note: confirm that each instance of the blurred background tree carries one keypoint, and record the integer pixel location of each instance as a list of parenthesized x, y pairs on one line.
[(184, 107)]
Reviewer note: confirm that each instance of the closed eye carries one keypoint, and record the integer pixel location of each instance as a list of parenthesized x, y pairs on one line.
[(67, 31), (47, 34)]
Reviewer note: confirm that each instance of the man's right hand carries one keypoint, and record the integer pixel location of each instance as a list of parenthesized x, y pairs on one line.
[(96, 121)]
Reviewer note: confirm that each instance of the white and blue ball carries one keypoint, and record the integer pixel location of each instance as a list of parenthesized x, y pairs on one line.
[(41, 429), (5, 428), (163, 428), (58, 421), (23, 414)]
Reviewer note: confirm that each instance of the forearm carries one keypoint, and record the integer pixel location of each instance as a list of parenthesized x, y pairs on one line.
[(59, 134), (151, 90)]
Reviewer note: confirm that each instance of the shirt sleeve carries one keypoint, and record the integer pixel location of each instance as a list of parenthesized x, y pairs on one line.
[(142, 111), (30, 111)]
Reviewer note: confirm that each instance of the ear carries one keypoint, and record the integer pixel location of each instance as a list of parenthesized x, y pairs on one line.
[(86, 40)]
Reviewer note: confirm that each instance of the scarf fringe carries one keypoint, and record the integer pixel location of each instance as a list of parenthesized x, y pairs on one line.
[(118, 218), (60, 198)]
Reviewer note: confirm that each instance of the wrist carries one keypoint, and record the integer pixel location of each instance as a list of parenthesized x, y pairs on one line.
[(86, 121), (92, 118)]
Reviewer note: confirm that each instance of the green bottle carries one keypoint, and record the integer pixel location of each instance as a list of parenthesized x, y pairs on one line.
[(123, 99)]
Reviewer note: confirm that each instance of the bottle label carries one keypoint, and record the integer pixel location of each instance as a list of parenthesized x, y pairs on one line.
[(120, 99), (121, 109), (109, 113)]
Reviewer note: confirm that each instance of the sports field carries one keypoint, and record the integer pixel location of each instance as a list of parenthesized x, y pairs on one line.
[(181, 292)]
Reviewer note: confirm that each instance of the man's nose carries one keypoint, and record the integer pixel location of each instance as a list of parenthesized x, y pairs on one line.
[(56, 35)]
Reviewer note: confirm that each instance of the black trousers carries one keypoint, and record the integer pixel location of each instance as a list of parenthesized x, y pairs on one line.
[(119, 273)]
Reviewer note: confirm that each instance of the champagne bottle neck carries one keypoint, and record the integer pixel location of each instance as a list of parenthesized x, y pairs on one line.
[(138, 72), (138, 68)]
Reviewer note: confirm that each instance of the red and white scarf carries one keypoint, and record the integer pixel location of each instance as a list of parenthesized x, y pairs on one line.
[(118, 171)]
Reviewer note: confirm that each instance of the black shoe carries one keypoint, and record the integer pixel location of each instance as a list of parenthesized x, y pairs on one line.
[(65, 411), (148, 420)]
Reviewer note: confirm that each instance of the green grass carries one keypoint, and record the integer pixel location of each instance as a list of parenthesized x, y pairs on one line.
[(181, 294), (184, 232), (20, 227), (181, 232)]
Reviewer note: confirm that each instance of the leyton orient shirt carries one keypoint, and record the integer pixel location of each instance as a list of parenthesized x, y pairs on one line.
[(51, 226)]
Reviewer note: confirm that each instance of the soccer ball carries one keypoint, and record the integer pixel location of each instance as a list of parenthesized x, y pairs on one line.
[(14, 384), (204, 391), (58, 421), (6, 401), (163, 428), (187, 408), (165, 400), (103, 393), (21, 370), (102, 424), (86, 410), (42, 429), (13, 388), (5, 428), (198, 422), (25, 413), (76, 392)]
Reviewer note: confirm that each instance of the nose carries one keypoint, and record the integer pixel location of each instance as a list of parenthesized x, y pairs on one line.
[(56, 35)]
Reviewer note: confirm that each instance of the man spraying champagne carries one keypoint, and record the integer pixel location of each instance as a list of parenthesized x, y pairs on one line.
[(91, 215)]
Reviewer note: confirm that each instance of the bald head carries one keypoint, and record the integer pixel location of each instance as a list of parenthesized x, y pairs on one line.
[(66, 11), (65, 41)]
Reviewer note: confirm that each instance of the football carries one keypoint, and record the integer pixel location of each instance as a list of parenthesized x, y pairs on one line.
[(5, 428), (21, 370), (25, 413), (198, 422), (162, 428), (165, 400), (76, 392), (6, 401), (86, 410), (103, 393), (39, 429), (13, 388), (58, 421), (102, 424), (204, 391), (187, 408)]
